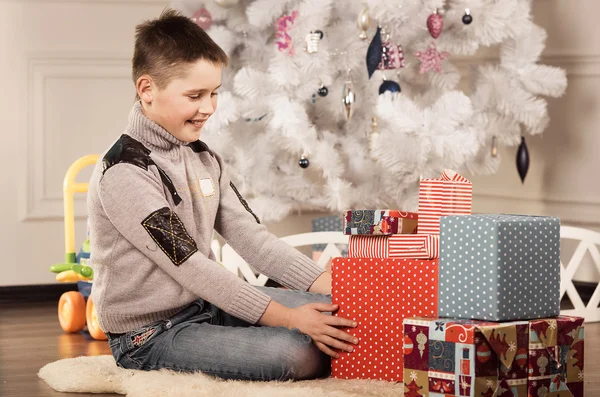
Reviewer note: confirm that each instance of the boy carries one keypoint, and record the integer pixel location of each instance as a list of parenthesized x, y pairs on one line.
[(153, 202)]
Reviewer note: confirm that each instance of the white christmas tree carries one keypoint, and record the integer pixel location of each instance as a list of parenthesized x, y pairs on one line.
[(331, 105)]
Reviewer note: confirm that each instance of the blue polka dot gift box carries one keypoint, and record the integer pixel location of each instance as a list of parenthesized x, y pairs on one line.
[(499, 267), (332, 223)]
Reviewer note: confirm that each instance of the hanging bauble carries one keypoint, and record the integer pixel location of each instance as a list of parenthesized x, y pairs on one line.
[(374, 53), (364, 21), (392, 57), (467, 18), (323, 91), (494, 147), (312, 41), (227, 3), (202, 18), (389, 85), (303, 162), (348, 99), (373, 136), (522, 159), (435, 24)]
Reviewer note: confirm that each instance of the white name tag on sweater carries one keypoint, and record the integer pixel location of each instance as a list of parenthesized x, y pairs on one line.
[(207, 187)]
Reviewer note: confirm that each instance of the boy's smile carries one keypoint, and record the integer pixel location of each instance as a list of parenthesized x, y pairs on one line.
[(184, 105)]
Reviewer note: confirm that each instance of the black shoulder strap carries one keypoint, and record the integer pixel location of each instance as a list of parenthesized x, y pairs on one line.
[(128, 150)]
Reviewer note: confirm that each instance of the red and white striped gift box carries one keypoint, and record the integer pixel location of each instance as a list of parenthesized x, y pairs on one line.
[(418, 246), (451, 194)]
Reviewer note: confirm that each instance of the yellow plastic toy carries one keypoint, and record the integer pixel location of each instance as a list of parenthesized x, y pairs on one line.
[(73, 310)]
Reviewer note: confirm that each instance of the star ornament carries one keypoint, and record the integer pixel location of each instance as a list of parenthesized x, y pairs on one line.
[(431, 59)]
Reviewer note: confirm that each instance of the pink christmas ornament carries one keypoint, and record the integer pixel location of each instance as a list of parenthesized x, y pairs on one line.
[(283, 40), (392, 57), (431, 59), (202, 18), (435, 24)]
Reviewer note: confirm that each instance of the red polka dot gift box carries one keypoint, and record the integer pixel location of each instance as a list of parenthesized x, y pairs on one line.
[(379, 294), (450, 357)]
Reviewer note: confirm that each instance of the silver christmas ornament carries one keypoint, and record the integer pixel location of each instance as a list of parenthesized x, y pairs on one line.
[(348, 98), (373, 136), (494, 147)]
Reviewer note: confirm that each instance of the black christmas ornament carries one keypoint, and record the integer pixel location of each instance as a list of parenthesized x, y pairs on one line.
[(323, 91), (303, 162), (374, 53), (389, 85), (467, 18), (522, 159)]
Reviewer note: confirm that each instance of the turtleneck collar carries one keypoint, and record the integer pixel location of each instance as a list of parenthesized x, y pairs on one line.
[(151, 134)]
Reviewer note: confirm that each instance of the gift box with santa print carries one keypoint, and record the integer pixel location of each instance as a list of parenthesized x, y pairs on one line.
[(450, 357), (378, 294)]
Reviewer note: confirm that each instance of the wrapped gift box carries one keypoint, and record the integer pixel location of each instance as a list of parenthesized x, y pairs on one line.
[(379, 294), (451, 194), (379, 222), (417, 246), (449, 357), (499, 267), (331, 223)]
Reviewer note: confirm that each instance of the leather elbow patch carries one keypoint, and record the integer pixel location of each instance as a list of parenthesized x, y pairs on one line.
[(168, 232)]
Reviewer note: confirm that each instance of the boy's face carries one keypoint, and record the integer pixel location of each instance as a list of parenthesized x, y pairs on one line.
[(184, 105)]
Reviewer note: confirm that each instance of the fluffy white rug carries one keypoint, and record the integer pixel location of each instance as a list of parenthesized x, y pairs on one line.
[(100, 374)]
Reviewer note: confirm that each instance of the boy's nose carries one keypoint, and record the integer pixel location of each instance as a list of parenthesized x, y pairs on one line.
[(206, 107)]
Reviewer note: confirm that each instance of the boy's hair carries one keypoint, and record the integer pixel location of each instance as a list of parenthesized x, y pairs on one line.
[(164, 47)]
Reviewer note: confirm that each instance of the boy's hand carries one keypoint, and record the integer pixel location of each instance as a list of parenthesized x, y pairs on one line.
[(310, 320)]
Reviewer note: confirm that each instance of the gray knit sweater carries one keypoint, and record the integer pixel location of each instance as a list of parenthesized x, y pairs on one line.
[(153, 203)]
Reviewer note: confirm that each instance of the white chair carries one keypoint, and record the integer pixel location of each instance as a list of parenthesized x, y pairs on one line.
[(589, 240), (233, 262)]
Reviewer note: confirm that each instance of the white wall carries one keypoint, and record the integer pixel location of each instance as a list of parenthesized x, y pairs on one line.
[(67, 92)]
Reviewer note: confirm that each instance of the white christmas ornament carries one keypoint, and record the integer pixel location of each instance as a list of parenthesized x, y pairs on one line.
[(227, 3)]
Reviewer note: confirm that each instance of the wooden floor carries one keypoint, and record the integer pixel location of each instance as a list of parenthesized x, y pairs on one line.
[(30, 337)]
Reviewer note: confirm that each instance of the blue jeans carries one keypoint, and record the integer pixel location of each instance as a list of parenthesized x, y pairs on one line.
[(204, 338)]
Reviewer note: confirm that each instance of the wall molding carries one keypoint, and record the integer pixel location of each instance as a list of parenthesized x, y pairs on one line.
[(38, 204), (583, 213), (578, 65), (570, 211)]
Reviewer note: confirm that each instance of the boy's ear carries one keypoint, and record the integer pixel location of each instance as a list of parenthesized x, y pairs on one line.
[(144, 88)]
